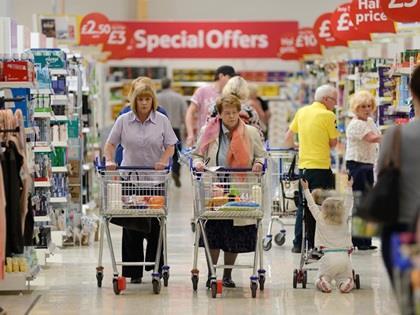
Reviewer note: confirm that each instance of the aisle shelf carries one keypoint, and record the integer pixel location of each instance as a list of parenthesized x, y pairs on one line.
[(17, 281), (46, 115), (58, 200), (18, 84), (59, 144), (42, 91), (42, 218), (42, 184), (59, 118), (59, 169), (59, 99), (59, 72), (42, 149)]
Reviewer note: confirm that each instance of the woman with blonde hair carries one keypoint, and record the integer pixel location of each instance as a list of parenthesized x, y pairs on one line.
[(148, 140), (363, 139), (332, 237)]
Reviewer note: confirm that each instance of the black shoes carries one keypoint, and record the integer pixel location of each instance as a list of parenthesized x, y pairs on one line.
[(135, 280), (228, 283), (368, 247), (296, 250), (176, 180)]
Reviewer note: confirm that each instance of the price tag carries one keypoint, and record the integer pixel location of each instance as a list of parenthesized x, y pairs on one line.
[(94, 29), (406, 11)]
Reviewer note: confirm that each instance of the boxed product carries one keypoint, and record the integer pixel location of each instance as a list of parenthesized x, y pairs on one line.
[(52, 58), (18, 71)]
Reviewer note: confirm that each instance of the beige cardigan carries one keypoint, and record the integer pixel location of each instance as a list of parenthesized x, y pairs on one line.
[(258, 153)]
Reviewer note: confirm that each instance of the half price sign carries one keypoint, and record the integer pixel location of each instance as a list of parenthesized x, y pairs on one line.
[(343, 27), (368, 17)]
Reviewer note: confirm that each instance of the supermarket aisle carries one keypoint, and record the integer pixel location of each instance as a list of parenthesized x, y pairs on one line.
[(68, 284)]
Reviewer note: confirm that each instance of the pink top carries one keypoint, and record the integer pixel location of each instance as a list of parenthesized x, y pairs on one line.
[(205, 97)]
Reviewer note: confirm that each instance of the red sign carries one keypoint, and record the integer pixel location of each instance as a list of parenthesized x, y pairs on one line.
[(368, 17), (402, 10), (342, 26), (322, 30), (186, 39), (94, 29), (288, 50), (306, 42)]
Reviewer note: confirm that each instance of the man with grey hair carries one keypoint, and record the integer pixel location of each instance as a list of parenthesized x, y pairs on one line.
[(315, 126), (176, 106)]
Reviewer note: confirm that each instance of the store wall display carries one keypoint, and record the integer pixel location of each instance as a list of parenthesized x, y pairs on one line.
[(186, 39), (369, 17), (342, 25), (402, 10), (323, 31)]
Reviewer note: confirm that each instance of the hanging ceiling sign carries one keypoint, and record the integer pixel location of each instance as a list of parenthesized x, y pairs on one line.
[(306, 42), (369, 17), (323, 32), (288, 49), (402, 10), (342, 26), (198, 39)]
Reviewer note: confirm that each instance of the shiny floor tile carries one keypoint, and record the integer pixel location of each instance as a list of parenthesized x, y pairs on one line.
[(68, 284)]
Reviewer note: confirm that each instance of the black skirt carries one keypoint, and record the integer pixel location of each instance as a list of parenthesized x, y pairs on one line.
[(222, 234)]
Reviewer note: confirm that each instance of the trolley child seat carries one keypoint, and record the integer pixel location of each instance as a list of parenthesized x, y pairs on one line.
[(133, 192)]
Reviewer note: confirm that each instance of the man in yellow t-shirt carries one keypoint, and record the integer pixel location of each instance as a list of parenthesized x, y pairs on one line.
[(315, 126)]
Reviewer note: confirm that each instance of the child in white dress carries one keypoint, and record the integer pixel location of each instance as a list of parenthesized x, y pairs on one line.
[(333, 237)]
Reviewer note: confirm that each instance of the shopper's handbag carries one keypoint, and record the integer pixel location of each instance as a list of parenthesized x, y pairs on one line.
[(381, 203), (290, 188)]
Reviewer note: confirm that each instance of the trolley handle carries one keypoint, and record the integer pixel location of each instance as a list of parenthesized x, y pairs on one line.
[(101, 166)]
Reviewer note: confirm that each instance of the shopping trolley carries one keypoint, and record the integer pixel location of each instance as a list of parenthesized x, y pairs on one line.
[(228, 194), (282, 191), (129, 193), (308, 255)]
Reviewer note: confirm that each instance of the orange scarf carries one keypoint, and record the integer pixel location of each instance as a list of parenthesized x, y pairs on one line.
[(239, 153)]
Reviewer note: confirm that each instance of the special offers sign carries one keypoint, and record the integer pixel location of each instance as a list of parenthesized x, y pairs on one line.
[(185, 39)]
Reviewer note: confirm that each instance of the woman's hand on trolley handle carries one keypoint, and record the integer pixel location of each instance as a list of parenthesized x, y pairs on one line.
[(199, 166), (110, 165), (257, 167), (159, 166)]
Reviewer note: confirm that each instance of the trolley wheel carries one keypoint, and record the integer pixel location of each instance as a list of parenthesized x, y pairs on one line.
[(99, 277), (193, 227), (261, 280), (213, 288), (254, 288), (357, 281), (194, 280), (165, 277), (117, 290), (295, 278), (156, 286), (280, 239), (267, 243), (304, 279)]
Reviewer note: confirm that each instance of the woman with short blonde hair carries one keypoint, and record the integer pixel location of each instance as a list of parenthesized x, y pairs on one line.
[(363, 137)]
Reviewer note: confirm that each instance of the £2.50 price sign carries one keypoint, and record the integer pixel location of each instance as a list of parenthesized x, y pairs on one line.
[(402, 10), (94, 29)]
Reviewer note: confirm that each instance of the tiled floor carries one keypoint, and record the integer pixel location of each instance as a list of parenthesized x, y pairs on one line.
[(68, 284)]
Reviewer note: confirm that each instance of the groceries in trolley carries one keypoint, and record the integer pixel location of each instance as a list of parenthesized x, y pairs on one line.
[(232, 199)]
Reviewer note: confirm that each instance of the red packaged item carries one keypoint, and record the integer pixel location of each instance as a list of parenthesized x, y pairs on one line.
[(18, 71), (1, 71)]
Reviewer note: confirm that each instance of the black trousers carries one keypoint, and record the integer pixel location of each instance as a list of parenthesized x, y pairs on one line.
[(362, 174), (317, 178), (132, 249), (175, 163), (133, 239)]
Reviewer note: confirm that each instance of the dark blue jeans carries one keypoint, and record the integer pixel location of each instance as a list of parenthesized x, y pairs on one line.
[(317, 178), (362, 174)]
